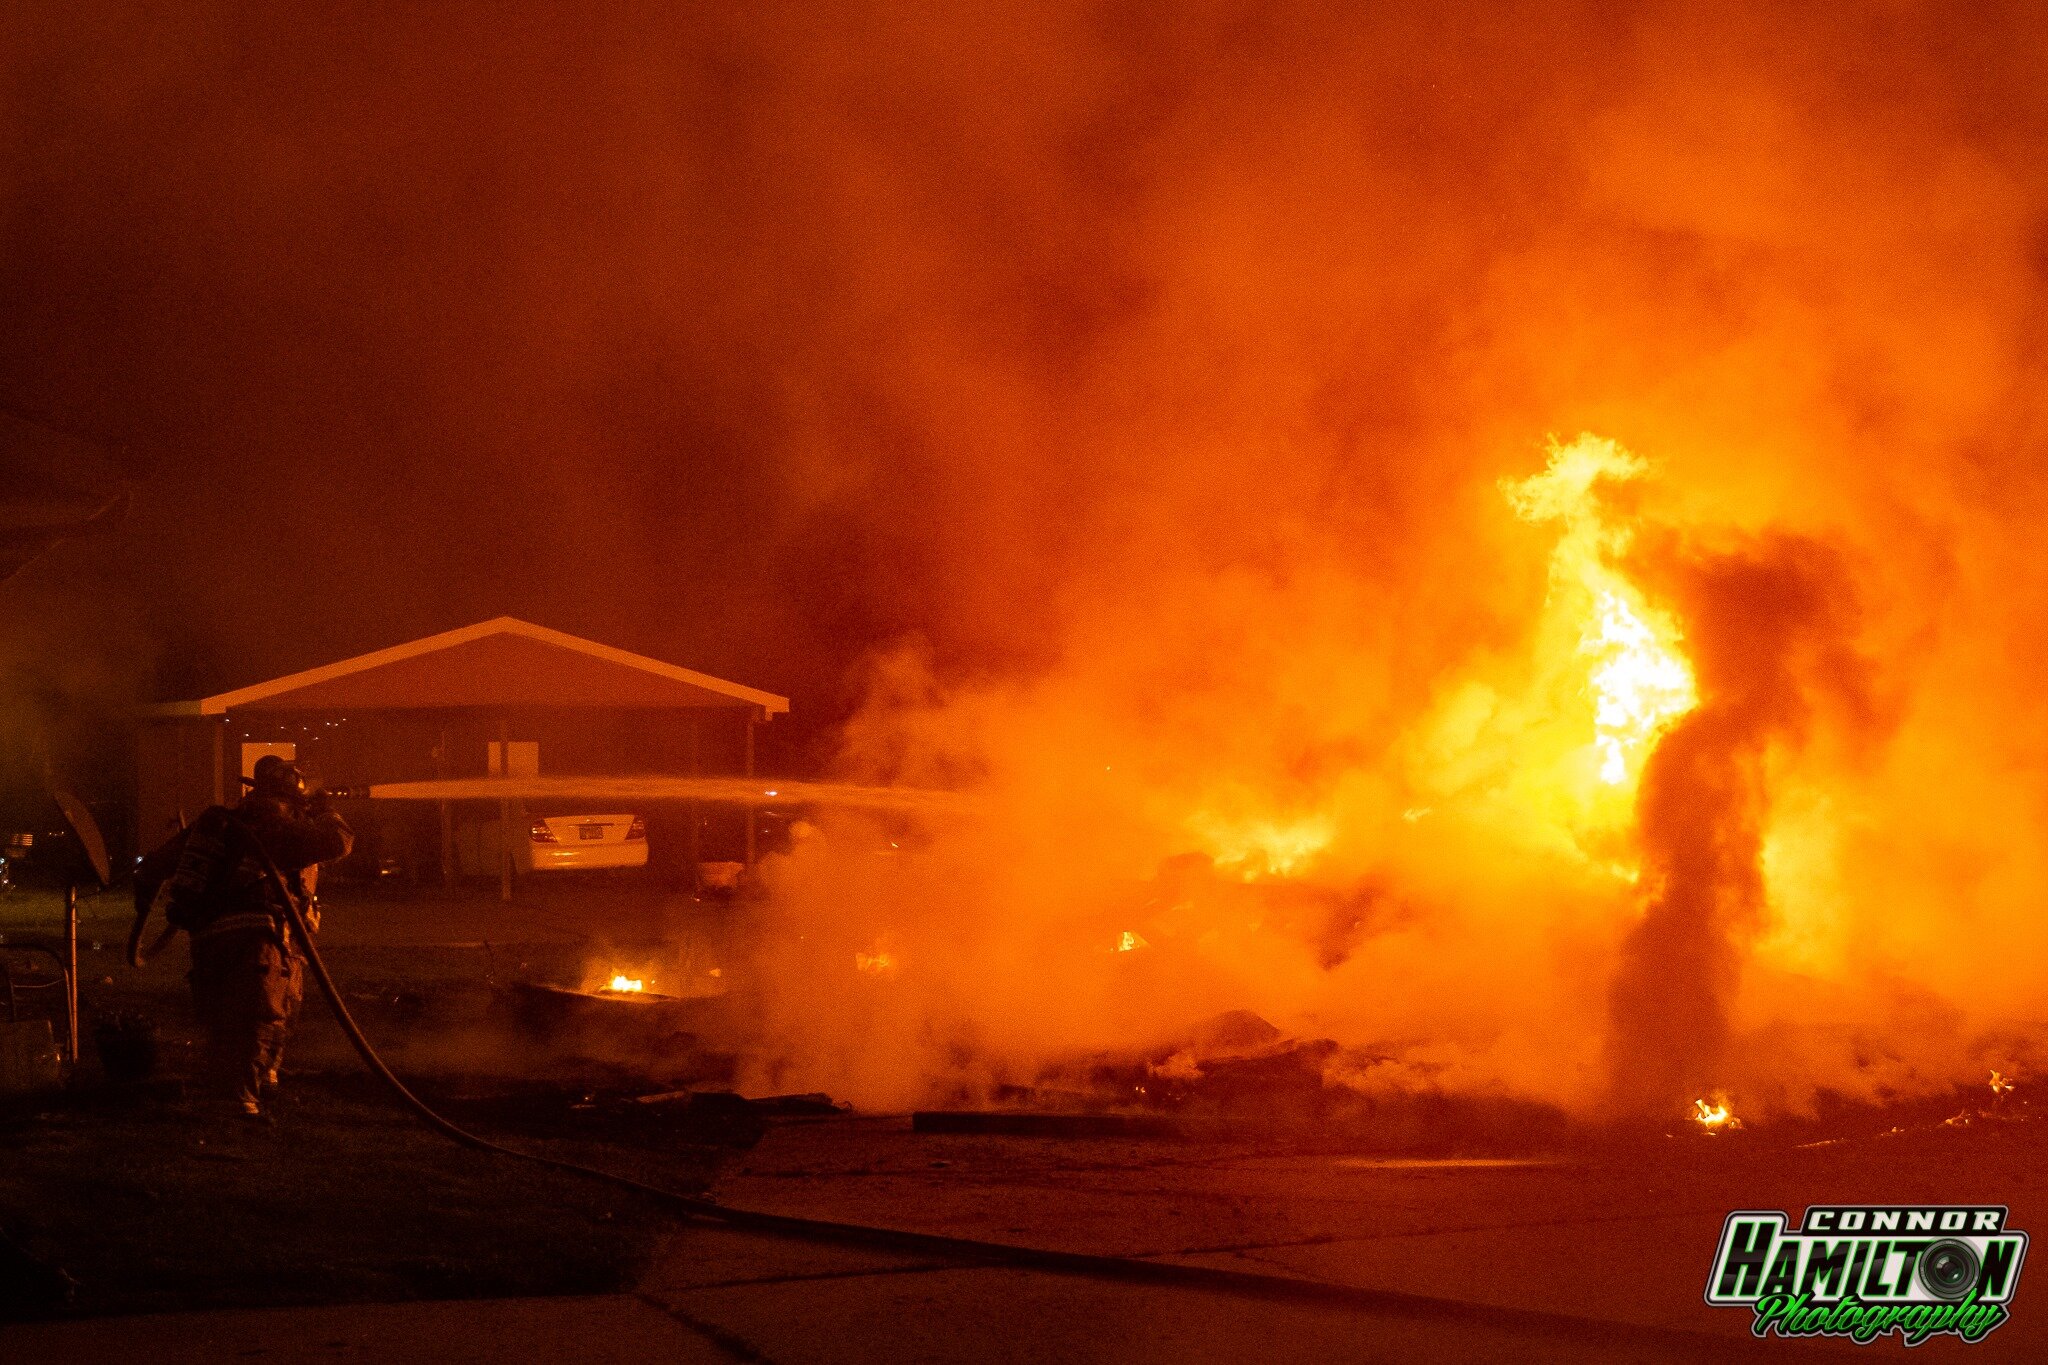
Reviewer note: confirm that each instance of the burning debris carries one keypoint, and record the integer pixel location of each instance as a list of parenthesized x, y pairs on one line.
[(2006, 1106), (1599, 810), (1715, 1117), (681, 970), (1238, 1076), (610, 1022)]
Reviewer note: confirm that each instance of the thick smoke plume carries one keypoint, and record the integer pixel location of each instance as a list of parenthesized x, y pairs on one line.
[(1770, 636), (1247, 656)]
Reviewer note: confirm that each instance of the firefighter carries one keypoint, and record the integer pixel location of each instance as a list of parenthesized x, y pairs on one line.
[(247, 972)]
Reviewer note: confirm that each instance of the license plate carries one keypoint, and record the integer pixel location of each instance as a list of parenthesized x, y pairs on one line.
[(590, 831)]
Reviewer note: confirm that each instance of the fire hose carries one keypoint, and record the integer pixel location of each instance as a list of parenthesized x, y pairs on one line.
[(970, 1250)]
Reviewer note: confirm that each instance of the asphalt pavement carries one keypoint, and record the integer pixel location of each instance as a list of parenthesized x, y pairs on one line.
[(1596, 1253), (1596, 1257)]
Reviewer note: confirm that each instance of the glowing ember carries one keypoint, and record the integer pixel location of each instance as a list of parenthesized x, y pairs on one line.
[(1715, 1118), (626, 984), (1128, 942), (2000, 1082)]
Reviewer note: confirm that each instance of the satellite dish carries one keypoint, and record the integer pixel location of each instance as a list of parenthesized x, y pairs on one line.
[(86, 831)]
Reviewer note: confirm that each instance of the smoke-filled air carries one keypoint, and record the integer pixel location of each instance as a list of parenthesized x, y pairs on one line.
[(1505, 536), (1533, 579)]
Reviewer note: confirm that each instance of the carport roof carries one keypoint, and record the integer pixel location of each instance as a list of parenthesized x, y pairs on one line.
[(503, 662)]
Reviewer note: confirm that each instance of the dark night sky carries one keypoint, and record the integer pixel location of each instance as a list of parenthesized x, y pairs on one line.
[(406, 321)]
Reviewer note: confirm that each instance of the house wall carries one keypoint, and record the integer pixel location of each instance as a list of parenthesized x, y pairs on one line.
[(176, 774), (400, 746)]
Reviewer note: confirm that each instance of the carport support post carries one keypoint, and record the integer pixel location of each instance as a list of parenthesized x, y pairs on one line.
[(752, 817), (447, 811), (696, 810), (220, 762), (505, 811), (71, 972)]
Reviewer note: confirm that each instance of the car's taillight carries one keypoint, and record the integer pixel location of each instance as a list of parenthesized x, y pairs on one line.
[(638, 829), (541, 833)]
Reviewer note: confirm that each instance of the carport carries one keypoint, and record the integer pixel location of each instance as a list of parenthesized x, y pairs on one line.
[(502, 697)]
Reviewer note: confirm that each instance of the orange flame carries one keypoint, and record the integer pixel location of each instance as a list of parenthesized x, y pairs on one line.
[(1715, 1117), (1638, 680)]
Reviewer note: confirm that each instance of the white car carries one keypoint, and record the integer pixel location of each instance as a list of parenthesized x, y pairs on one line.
[(583, 841), (569, 841)]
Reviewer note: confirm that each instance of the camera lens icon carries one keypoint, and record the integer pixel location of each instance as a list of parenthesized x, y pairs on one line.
[(1948, 1269)]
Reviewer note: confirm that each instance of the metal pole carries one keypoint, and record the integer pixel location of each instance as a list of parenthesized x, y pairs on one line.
[(447, 811), (71, 969), (505, 811), (695, 850), (751, 818)]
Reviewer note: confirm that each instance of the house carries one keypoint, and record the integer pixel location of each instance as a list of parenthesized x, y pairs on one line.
[(503, 696)]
